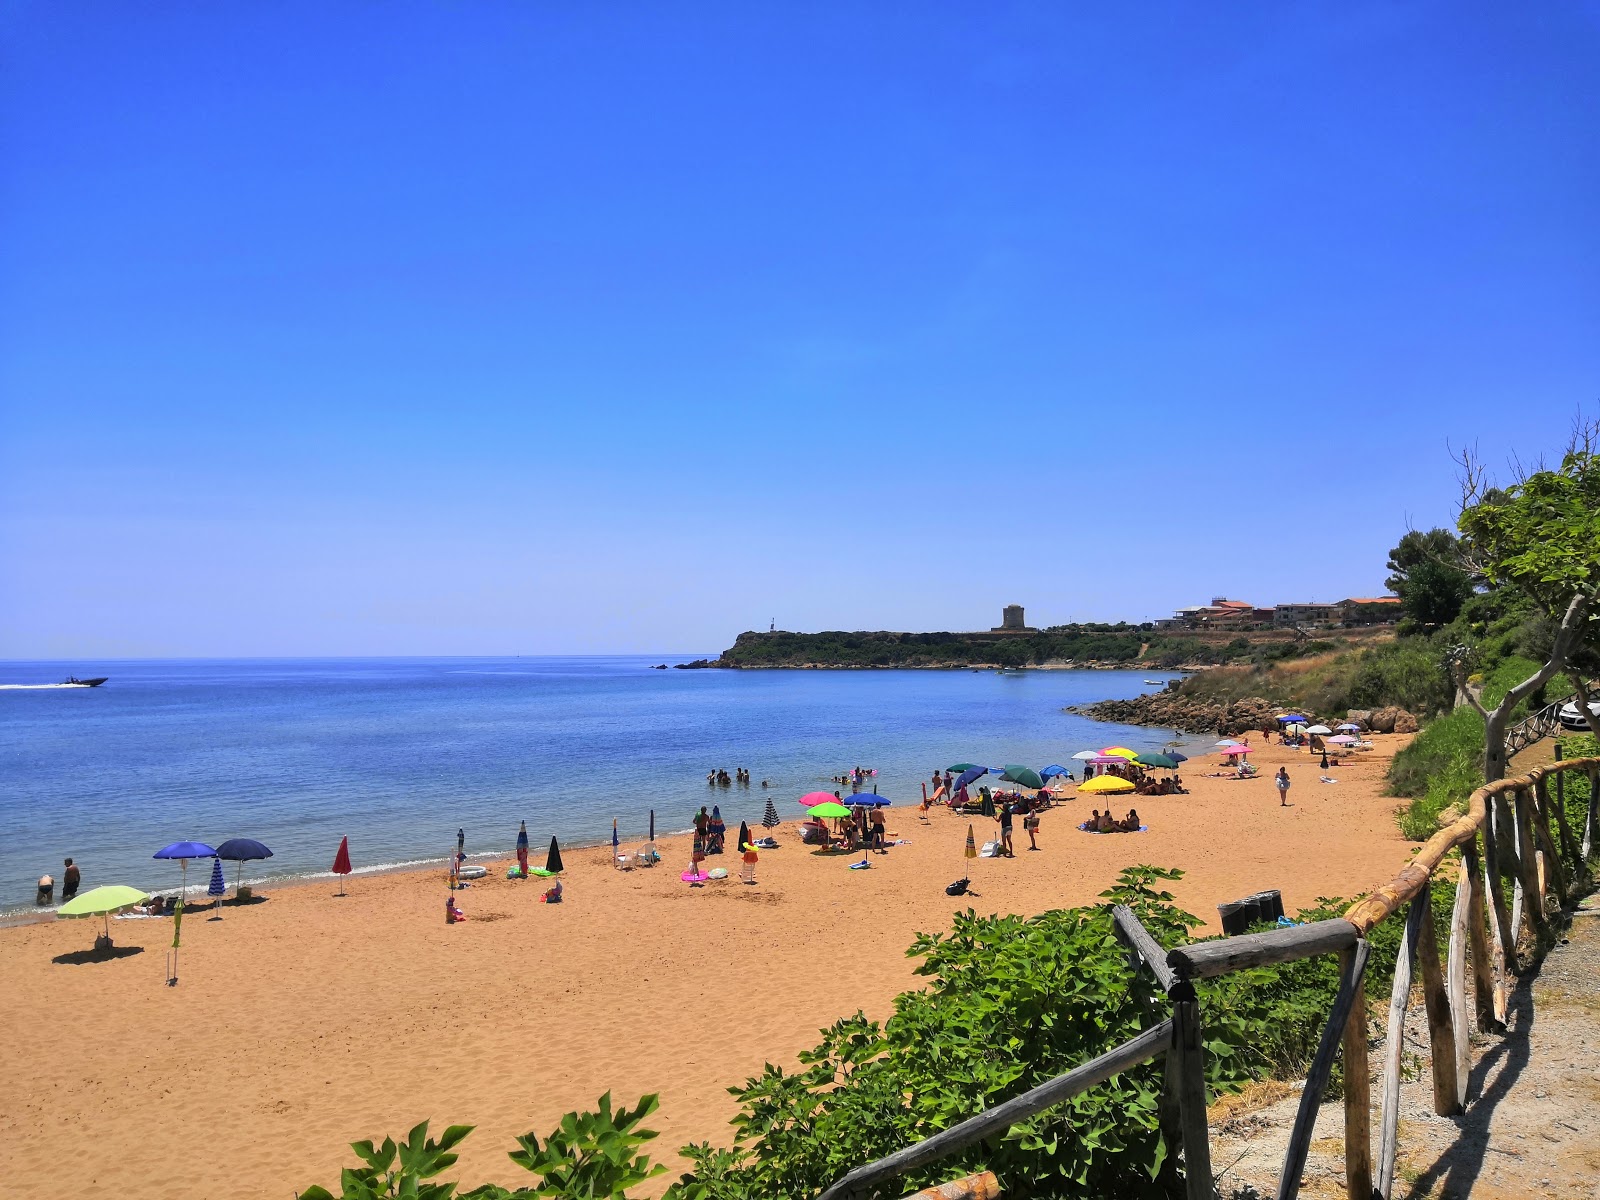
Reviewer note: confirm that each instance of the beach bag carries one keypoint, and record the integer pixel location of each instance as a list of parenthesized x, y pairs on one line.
[(958, 888)]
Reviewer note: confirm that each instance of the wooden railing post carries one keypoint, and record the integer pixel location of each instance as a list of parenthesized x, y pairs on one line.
[(1512, 851), (1352, 971), (1552, 857), (1357, 1095), (1591, 819), (1455, 982), (1528, 870), (1441, 1020), (1558, 806), (1190, 1077), (1389, 1126), (1484, 999), (1505, 937)]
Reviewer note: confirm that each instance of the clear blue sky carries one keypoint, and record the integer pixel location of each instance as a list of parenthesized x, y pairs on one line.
[(359, 328)]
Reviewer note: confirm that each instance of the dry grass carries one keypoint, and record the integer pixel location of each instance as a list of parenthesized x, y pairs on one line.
[(1254, 1098)]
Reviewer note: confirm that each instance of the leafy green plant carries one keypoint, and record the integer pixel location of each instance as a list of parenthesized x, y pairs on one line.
[(589, 1156), (398, 1168)]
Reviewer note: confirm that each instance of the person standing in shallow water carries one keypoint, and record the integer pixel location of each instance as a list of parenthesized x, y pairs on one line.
[(70, 878), (1283, 787)]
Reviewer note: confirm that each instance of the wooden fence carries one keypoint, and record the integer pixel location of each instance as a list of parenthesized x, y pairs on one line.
[(1510, 827)]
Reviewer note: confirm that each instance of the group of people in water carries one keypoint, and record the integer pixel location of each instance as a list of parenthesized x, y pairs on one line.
[(741, 776), (855, 778), (1104, 822)]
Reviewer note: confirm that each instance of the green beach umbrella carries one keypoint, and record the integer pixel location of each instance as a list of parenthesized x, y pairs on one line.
[(1155, 760), (831, 809), (1026, 776), (960, 767), (102, 901)]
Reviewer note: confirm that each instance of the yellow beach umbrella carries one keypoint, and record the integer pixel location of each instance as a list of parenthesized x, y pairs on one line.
[(1106, 783), (102, 902), (1119, 752)]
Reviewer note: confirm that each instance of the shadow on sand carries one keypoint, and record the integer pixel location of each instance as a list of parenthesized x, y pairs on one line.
[(79, 958)]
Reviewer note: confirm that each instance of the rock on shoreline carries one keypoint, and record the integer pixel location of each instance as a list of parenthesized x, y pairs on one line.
[(1168, 710)]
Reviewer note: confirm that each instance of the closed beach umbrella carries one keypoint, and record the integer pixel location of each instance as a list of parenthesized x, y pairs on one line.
[(183, 852), (102, 901), (770, 820), (615, 841), (341, 862), (744, 834), (522, 848), (1164, 761), (770, 809), (1106, 783), (1023, 776), (241, 851), (972, 844), (552, 862), (217, 886)]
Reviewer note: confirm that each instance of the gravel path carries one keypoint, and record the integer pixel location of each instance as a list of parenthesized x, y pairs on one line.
[(1531, 1129)]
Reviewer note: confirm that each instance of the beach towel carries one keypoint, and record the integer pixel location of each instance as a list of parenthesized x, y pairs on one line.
[(693, 877)]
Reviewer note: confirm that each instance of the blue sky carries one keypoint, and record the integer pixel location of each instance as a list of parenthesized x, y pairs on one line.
[(538, 328)]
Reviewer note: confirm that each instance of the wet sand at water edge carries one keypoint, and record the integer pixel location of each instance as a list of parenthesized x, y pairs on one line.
[(304, 1021)]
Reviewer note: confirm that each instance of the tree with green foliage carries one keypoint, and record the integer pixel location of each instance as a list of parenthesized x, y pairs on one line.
[(1427, 573), (1538, 535)]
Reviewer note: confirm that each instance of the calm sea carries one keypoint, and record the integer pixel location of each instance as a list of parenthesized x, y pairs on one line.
[(399, 753)]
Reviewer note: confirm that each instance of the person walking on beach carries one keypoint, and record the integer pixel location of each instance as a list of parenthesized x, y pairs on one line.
[(1005, 832), (70, 878), (1031, 824), (1283, 787)]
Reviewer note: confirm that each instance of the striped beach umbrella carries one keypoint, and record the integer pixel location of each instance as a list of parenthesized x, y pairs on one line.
[(217, 887), (771, 820)]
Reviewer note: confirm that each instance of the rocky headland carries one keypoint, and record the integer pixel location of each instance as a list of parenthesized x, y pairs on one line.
[(1173, 710)]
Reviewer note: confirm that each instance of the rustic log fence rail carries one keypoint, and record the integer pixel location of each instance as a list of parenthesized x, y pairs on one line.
[(1516, 834)]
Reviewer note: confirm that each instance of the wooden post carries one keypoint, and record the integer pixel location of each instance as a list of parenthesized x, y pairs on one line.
[(1191, 1081), (1441, 1021), (1528, 871), (1351, 974), (1558, 806), (1455, 982), (1357, 1096), (1511, 852), (1488, 992), (1591, 820), (1556, 863), (1505, 937), (1389, 1125)]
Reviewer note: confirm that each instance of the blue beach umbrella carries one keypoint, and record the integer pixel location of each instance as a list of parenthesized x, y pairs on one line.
[(183, 852), (241, 851), (1053, 770), (969, 775), (1295, 718), (216, 887), (870, 800)]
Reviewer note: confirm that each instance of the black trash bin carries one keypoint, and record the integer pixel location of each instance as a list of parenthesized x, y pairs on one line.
[(1271, 904), (1235, 918)]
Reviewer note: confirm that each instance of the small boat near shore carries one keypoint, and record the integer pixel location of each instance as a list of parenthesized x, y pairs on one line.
[(74, 681)]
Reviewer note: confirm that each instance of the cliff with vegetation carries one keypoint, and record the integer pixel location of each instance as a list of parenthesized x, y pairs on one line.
[(1087, 645)]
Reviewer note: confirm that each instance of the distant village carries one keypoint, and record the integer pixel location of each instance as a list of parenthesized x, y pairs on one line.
[(1223, 613)]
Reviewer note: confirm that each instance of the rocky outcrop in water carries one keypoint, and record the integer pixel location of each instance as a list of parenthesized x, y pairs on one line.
[(1170, 710)]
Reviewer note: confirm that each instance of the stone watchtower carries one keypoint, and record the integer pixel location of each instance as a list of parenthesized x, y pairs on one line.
[(1011, 621)]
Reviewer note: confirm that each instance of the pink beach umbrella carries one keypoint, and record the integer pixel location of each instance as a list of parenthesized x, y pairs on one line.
[(1231, 751)]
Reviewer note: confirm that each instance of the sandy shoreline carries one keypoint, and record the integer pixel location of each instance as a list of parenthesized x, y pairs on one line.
[(304, 1021)]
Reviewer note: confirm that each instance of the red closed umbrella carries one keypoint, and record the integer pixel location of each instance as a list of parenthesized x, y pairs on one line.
[(341, 861)]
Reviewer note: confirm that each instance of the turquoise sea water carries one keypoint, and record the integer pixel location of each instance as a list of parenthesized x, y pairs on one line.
[(399, 753)]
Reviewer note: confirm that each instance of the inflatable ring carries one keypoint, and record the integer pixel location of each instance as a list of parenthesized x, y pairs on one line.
[(472, 872)]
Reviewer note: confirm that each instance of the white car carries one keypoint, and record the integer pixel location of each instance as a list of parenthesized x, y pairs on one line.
[(1571, 718)]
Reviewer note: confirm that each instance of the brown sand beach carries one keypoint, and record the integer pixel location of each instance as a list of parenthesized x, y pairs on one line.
[(305, 1021)]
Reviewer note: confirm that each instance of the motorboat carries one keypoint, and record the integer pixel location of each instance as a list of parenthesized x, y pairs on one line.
[(74, 681)]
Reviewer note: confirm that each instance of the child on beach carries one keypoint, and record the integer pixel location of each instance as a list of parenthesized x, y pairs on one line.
[(452, 914)]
